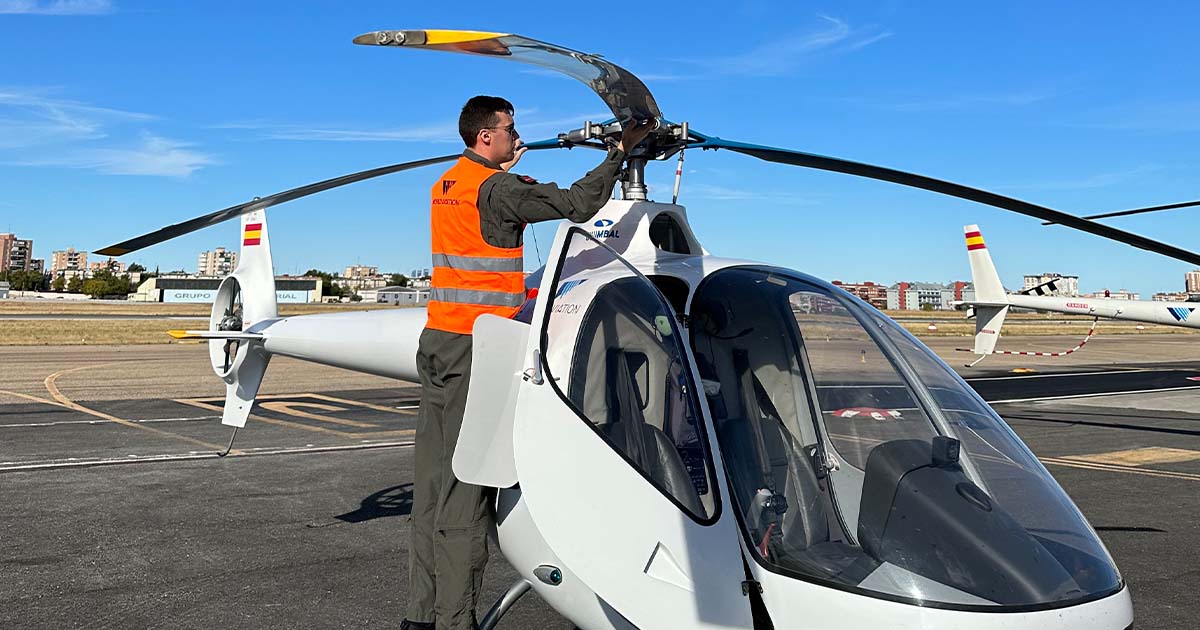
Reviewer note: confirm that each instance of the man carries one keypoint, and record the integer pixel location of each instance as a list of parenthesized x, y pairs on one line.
[(479, 212)]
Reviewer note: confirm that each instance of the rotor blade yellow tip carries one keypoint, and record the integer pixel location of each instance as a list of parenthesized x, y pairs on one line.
[(433, 37)]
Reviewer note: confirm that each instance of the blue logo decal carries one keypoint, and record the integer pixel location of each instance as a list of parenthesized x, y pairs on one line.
[(600, 223), (1180, 313), (565, 287)]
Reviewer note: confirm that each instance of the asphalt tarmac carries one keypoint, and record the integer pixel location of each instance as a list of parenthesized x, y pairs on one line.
[(116, 512)]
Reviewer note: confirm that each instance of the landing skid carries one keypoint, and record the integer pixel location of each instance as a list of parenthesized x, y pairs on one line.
[(506, 601)]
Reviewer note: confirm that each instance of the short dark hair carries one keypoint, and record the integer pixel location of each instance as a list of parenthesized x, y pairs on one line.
[(478, 113)]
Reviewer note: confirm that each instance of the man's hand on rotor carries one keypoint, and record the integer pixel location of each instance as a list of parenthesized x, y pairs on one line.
[(634, 134), (506, 166)]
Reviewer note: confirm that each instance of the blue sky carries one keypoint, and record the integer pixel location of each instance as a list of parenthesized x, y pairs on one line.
[(120, 116)]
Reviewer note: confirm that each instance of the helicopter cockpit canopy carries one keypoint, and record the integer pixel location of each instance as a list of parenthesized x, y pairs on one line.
[(858, 460), (855, 458)]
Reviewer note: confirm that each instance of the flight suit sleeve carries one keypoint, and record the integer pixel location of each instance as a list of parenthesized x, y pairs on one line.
[(518, 199)]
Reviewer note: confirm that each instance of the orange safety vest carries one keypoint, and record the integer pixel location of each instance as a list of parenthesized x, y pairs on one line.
[(470, 276)]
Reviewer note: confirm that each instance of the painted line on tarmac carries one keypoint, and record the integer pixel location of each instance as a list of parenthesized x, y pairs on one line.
[(357, 403), (289, 408), (1128, 470), (1139, 456), (52, 387), (198, 402), (152, 459), (1092, 395), (33, 398), (68, 422), (1025, 376)]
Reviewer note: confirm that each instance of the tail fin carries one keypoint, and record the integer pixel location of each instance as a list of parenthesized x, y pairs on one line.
[(991, 303), (245, 304), (255, 271), (988, 289)]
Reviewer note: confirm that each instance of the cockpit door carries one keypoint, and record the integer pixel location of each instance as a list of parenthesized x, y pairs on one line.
[(613, 452)]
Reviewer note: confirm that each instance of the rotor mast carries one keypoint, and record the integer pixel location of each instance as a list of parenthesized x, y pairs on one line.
[(665, 140), (633, 179)]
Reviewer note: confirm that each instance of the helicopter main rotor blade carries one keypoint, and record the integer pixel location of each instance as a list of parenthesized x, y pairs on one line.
[(882, 173), (191, 225), (1122, 213), (625, 94)]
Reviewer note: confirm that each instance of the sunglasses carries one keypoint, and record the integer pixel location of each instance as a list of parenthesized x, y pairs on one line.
[(511, 129)]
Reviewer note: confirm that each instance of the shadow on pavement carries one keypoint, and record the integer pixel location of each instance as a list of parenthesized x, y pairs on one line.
[(393, 501)]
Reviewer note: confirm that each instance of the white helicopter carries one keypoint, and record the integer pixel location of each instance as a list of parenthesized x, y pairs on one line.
[(992, 303), (686, 441)]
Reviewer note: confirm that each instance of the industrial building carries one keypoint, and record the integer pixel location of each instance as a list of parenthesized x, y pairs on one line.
[(184, 289), (402, 296)]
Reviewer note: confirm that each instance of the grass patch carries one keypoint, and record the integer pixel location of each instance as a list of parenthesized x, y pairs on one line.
[(106, 307), (84, 332)]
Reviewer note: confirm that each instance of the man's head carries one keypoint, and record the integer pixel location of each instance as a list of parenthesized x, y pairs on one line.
[(486, 126)]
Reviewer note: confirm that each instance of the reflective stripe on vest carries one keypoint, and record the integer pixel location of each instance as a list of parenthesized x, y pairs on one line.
[(473, 263), (483, 298), (470, 276)]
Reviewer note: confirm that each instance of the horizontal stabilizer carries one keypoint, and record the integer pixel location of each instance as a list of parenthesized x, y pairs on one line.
[(214, 334)]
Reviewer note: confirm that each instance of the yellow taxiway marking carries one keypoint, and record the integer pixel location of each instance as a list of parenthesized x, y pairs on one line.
[(1139, 456), (402, 412), (51, 384), (283, 423), (1076, 461), (289, 408), (33, 398), (200, 402), (333, 399), (1128, 470), (379, 434)]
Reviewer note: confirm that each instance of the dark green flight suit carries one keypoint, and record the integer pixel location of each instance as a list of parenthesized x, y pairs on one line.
[(450, 519)]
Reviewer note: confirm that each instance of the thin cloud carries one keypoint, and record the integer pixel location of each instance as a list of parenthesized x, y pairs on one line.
[(1100, 180), (333, 133), (781, 56), (713, 192), (960, 101), (56, 7), (32, 117), (1166, 117), (437, 133), (154, 155)]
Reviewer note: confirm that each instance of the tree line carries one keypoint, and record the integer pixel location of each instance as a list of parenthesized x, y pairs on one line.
[(331, 285), (103, 282)]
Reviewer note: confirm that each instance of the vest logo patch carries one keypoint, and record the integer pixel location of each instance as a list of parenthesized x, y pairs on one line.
[(447, 184)]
